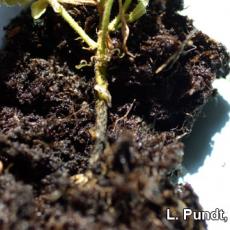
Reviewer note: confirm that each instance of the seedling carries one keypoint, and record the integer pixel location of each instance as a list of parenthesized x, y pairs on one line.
[(101, 47)]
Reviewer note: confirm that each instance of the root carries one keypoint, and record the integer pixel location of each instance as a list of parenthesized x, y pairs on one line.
[(125, 116), (170, 62)]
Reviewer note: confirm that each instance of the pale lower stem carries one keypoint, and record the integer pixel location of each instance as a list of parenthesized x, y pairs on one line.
[(101, 127)]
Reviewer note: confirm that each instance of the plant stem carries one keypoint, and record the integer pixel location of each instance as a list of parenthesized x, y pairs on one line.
[(100, 128), (116, 21), (102, 55), (77, 28), (138, 11), (133, 16), (104, 97), (102, 48)]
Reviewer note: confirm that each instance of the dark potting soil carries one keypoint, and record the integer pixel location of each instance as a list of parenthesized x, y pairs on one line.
[(47, 121)]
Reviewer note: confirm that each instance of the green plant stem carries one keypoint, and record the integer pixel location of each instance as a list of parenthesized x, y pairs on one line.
[(102, 48), (138, 11), (77, 28), (133, 16), (116, 21), (102, 55), (104, 98), (102, 2)]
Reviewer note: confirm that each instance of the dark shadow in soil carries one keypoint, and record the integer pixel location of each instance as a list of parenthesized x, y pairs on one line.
[(198, 144), (6, 14)]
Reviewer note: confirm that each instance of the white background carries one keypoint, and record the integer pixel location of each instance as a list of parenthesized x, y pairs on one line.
[(211, 181)]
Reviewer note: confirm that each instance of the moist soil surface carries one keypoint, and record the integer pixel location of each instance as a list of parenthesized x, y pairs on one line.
[(48, 117)]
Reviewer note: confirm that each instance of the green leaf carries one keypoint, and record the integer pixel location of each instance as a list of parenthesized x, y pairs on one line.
[(14, 2), (38, 8)]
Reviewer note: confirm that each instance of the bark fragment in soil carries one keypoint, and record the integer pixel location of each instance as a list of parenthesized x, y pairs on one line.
[(47, 117)]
